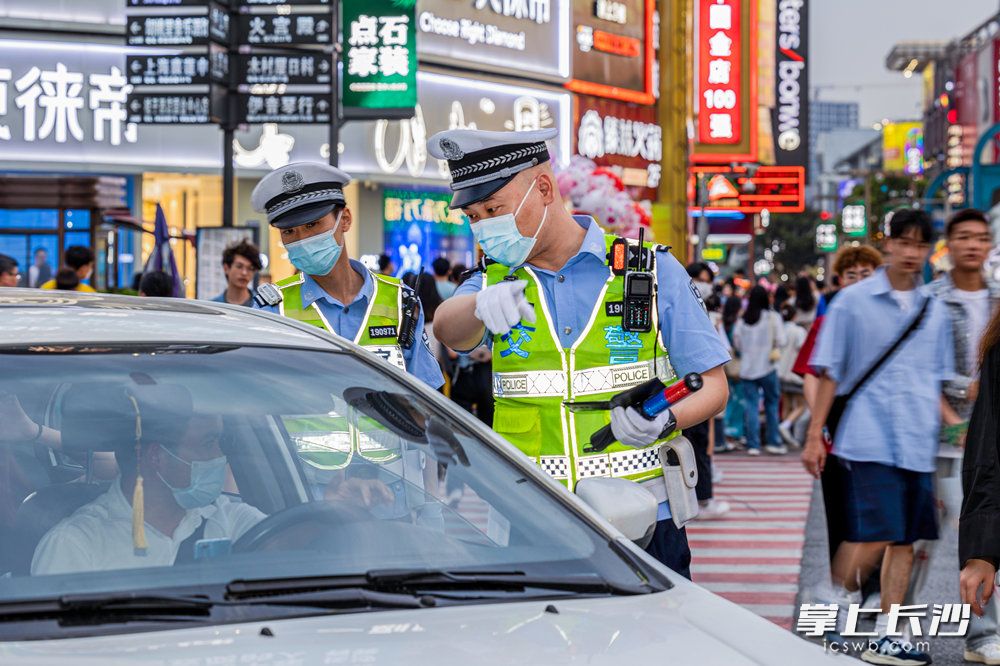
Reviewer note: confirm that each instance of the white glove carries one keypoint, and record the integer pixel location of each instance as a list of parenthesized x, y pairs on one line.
[(633, 429), (502, 306)]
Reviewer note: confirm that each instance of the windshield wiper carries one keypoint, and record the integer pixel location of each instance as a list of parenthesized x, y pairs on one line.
[(350, 598), (438, 579), (424, 583), (102, 608)]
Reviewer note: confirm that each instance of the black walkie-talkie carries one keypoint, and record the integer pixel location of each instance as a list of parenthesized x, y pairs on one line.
[(408, 317), (638, 307)]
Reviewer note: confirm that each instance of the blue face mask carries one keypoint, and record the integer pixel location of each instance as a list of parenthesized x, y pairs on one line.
[(500, 239), (207, 479), (317, 254)]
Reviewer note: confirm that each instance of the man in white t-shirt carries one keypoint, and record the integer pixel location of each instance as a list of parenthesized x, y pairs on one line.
[(971, 297)]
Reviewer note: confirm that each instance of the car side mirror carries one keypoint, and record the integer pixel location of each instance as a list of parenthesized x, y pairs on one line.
[(623, 503)]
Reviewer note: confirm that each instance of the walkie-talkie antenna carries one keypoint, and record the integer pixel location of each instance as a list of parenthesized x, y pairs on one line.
[(638, 255)]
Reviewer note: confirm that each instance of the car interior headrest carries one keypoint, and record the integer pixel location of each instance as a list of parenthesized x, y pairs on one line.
[(101, 416)]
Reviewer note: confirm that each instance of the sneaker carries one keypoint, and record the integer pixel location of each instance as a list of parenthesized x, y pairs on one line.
[(987, 653), (727, 447), (712, 509), (776, 449), (890, 651), (717, 475), (753, 452), (786, 434)]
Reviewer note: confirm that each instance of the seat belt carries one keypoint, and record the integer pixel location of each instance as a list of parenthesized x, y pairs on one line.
[(185, 554)]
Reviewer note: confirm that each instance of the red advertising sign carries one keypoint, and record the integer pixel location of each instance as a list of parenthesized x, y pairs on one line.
[(719, 64), (772, 188), (725, 81)]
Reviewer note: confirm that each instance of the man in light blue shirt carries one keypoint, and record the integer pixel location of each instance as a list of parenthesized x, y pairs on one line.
[(887, 436), (502, 180)]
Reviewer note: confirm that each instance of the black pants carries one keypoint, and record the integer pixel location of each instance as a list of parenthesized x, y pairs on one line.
[(833, 481), (698, 436), (670, 546), (473, 391)]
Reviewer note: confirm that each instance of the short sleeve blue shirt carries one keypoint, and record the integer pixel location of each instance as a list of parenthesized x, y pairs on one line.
[(571, 294), (346, 321)]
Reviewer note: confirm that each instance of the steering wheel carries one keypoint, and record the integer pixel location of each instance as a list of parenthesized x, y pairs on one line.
[(300, 525)]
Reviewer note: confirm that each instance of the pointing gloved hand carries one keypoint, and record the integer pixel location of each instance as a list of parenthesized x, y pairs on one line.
[(501, 306), (631, 428)]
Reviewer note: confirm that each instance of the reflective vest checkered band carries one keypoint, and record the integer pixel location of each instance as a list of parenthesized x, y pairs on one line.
[(541, 383), (611, 377), (624, 463), (555, 466), (391, 353), (588, 466)]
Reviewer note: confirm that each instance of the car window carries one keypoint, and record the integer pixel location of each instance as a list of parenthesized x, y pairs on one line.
[(255, 463)]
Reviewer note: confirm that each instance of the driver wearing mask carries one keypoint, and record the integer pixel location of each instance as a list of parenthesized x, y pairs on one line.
[(182, 480)]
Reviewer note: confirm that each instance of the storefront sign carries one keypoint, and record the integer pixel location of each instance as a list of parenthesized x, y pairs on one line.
[(419, 228), (624, 137), (498, 35), (726, 104), (451, 102), (188, 69), (380, 61), (287, 109), (790, 121), (903, 148), (826, 237), (771, 188), (853, 221), (175, 109), (174, 30), (285, 68), (285, 29), (613, 49)]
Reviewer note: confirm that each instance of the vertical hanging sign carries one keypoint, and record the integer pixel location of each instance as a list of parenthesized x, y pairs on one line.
[(719, 65), (380, 58)]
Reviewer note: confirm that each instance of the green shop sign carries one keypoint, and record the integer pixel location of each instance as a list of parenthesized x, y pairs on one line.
[(380, 59)]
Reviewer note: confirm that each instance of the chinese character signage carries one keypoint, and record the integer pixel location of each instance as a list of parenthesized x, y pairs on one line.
[(173, 30), (725, 38), (380, 58), (624, 137), (191, 69), (826, 237), (612, 46), (853, 221), (790, 122), (285, 68), (177, 108), (497, 35), (419, 228), (285, 109), (272, 3), (174, 3), (285, 29)]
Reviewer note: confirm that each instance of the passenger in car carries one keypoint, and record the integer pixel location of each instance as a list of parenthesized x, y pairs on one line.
[(182, 481)]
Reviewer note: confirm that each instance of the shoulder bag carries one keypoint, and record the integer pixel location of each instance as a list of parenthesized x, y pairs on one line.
[(840, 401)]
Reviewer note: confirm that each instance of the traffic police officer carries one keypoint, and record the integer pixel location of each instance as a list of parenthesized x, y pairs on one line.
[(552, 307), (305, 202)]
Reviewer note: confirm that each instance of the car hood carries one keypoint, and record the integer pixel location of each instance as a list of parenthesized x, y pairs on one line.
[(685, 626)]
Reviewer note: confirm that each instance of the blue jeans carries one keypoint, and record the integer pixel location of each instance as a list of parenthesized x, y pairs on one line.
[(751, 400), (734, 411)]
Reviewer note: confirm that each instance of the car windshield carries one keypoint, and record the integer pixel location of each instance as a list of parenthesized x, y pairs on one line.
[(168, 467)]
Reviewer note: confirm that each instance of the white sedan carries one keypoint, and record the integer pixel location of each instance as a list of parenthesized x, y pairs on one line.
[(302, 502)]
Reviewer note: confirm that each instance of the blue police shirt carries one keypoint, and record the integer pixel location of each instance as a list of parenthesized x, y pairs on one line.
[(346, 321), (571, 294)]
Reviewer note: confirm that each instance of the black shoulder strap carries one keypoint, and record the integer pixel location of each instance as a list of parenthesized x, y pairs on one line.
[(914, 325), (185, 552)]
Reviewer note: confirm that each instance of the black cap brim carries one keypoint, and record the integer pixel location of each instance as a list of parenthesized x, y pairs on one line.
[(304, 214), (470, 195)]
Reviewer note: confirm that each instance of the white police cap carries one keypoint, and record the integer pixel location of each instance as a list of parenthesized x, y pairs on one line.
[(482, 162), (299, 193)]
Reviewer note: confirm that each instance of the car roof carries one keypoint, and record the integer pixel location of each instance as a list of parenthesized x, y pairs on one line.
[(32, 316)]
